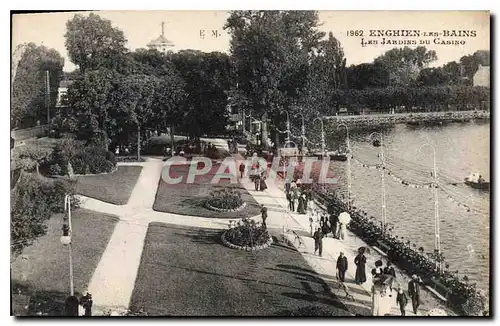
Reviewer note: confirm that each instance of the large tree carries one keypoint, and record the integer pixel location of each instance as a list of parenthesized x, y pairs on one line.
[(29, 85), (271, 51), (91, 99), (207, 80), (405, 64), (92, 42)]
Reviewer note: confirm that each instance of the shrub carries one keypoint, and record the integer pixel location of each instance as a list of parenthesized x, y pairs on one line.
[(34, 200), (247, 234), (84, 159), (226, 198), (29, 157)]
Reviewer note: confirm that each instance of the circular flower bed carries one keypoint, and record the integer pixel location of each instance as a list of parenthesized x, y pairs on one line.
[(247, 235), (225, 200)]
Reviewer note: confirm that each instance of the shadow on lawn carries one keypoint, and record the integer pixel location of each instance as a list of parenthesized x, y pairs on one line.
[(203, 236), (324, 296), (48, 303)]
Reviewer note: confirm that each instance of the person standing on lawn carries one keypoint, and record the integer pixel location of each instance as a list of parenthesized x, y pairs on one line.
[(263, 211), (318, 242), (414, 292), (342, 265), (402, 301), (360, 262)]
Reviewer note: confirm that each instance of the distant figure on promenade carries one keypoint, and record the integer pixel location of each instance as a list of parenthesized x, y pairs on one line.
[(318, 242), (263, 185), (295, 195), (334, 219), (291, 203), (389, 270), (342, 265), (301, 209), (360, 262), (312, 226), (401, 300), (242, 170), (263, 211), (414, 292), (324, 225), (342, 231), (377, 271), (287, 185), (381, 301)]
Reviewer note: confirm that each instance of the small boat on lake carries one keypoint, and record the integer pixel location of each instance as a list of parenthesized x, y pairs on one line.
[(338, 156), (476, 181)]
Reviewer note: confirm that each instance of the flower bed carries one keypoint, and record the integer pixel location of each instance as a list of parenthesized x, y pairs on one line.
[(225, 200), (247, 235), (462, 296)]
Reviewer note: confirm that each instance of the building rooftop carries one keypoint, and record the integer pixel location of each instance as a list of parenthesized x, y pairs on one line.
[(161, 40)]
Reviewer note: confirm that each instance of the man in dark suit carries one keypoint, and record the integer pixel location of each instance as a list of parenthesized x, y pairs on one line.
[(414, 292), (342, 266)]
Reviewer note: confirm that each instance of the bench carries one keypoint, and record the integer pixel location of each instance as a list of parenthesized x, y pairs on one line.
[(436, 293), (381, 248)]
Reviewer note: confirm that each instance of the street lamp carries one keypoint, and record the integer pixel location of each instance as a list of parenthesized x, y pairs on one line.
[(437, 239), (287, 125), (348, 166), (66, 239), (322, 136), (303, 134), (382, 160)]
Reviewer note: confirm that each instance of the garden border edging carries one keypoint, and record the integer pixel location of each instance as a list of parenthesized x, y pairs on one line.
[(245, 248), (223, 210)]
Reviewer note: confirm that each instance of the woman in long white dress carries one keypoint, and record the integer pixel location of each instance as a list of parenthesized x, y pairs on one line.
[(381, 298)]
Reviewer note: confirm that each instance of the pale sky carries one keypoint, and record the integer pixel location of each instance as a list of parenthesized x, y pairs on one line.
[(183, 29)]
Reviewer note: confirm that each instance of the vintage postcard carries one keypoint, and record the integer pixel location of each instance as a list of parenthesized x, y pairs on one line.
[(250, 163)]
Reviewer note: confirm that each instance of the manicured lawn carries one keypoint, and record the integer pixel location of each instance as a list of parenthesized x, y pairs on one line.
[(188, 272), (42, 271), (189, 198), (114, 188)]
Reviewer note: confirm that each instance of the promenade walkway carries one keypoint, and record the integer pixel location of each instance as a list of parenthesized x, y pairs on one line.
[(280, 217), (114, 278)]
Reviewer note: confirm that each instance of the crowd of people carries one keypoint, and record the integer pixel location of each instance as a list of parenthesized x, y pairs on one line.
[(300, 200)]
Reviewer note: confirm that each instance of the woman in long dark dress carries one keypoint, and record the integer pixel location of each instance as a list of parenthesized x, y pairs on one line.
[(360, 262), (324, 226), (263, 185), (300, 208), (333, 225)]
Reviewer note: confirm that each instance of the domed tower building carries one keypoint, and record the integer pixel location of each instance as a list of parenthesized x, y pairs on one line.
[(161, 43)]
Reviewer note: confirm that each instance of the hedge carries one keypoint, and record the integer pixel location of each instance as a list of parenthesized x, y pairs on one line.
[(34, 199)]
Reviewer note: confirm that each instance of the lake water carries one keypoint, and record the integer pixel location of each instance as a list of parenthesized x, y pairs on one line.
[(464, 212)]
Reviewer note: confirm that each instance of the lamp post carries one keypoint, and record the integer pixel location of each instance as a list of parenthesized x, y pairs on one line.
[(348, 166), (66, 239), (382, 160), (303, 131), (287, 125), (322, 136), (437, 239)]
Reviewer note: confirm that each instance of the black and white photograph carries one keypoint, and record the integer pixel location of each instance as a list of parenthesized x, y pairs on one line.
[(250, 163)]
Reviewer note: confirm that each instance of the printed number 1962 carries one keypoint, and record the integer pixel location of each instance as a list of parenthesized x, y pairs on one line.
[(355, 33)]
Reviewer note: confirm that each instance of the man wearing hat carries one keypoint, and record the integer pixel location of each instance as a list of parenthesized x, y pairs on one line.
[(414, 292)]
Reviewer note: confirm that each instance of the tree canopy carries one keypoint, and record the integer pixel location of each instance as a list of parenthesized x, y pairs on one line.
[(92, 42), (29, 85)]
